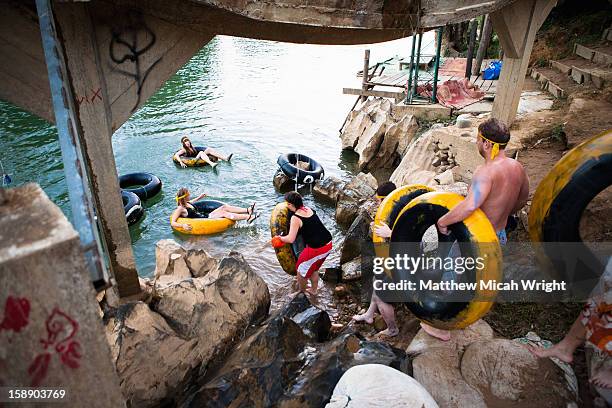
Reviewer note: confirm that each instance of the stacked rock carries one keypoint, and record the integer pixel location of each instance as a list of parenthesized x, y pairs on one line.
[(444, 158)]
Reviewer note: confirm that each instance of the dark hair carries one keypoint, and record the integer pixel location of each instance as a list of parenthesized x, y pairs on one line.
[(385, 189), (189, 150), (293, 197), (495, 130)]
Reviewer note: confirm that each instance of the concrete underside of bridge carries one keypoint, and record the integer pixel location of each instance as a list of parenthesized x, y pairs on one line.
[(119, 53)]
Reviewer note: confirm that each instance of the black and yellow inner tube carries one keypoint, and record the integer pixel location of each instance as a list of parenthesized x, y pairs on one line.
[(192, 161), (204, 226), (475, 237), (287, 255), (561, 198)]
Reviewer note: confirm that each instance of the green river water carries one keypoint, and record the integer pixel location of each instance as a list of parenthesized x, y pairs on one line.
[(257, 99)]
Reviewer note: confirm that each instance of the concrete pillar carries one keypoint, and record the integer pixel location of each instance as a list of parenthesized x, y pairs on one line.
[(516, 25), (51, 333), (83, 62)]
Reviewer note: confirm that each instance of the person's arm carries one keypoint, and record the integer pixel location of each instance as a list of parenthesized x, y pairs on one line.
[(178, 155), (201, 196), (479, 191), (294, 227), (175, 216), (523, 195)]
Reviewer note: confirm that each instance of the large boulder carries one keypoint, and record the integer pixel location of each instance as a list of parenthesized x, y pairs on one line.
[(359, 191), (437, 366), (152, 360), (170, 259), (351, 270), (377, 135), (505, 370), (188, 325), (377, 385)]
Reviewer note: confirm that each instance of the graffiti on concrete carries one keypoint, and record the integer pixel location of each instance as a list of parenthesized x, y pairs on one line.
[(61, 333), (96, 95), (126, 38), (16, 314)]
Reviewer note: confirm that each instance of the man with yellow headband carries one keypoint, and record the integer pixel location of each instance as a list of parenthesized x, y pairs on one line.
[(500, 187)]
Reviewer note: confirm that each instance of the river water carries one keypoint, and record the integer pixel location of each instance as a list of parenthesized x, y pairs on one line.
[(254, 98)]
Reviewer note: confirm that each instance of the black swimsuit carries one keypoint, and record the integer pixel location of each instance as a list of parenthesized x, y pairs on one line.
[(193, 213), (313, 231)]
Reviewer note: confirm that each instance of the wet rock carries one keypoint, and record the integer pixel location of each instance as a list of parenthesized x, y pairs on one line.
[(170, 259), (357, 124), (340, 291), (351, 270), (332, 274), (376, 385), (282, 183), (151, 359), (506, 370), (278, 365), (379, 323), (328, 189), (314, 322), (357, 234)]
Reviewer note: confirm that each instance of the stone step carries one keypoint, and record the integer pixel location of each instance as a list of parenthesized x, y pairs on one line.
[(599, 54), (550, 80), (584, 72)]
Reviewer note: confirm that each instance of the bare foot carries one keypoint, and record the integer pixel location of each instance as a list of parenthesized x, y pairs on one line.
[(439, 334), (312, 291), (387, 333), (365, 318), (602, 378), (558, 351)]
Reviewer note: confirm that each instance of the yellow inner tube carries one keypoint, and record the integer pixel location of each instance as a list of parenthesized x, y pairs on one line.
[(192, 161), (204, 226), (479, 230), (279, 225)]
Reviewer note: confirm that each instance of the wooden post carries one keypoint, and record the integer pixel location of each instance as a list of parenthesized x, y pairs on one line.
[(471, 45), (485, 38), (83, 58), (366, 68), (516, 25)]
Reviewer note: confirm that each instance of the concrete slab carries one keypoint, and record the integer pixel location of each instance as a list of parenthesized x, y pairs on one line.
[(428, 112), (583, 52), (51, 335), (534, 101), (555, 90), (580, 76), (561, 67)]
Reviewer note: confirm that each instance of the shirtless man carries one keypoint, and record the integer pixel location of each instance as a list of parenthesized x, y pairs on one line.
[(499, 188)]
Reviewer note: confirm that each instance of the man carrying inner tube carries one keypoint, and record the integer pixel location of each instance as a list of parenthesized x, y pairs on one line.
[(500, 187), (317, 241), (376, 304)]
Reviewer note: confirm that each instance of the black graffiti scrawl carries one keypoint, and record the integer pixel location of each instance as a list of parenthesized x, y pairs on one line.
[(130, 40)]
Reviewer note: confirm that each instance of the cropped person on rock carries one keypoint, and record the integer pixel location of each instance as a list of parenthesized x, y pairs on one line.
[(185, 209), (376, 304), (593, 327), (499, 188), (187, 150), (317, 240)]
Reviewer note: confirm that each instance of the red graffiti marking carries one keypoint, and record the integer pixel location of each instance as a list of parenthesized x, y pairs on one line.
[(96, 94), (16, 314), (80, 99), (61, 330)]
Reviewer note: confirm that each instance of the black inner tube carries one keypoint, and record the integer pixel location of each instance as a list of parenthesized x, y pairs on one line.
[(144, 185), (406, 238), (288, 164)]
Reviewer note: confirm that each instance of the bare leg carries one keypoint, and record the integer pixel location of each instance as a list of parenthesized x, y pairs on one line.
[(216, 153), (234, 209), (229, 215), (439, 334), (314, 283), (301, 282), (564, 350), (388, 313), (368, 316), (203, 156)]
